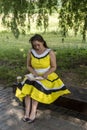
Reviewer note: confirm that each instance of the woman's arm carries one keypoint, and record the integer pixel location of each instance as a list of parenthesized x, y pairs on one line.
[(29, 67), (52, 64)]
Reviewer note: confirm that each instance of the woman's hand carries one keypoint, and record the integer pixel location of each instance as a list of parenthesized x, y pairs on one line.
[(45, 76), (35, 74)]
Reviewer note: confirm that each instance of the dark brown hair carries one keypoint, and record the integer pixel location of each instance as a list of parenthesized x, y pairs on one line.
[(39, 38)]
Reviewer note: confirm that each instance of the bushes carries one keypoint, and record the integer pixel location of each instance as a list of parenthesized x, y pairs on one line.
[(13, 52), (71, 58)]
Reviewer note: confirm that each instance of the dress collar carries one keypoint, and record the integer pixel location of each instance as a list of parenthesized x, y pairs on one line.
[(40, 55)]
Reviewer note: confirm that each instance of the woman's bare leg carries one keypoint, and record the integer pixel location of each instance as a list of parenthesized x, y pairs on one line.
[(33, 110), (27, 106)]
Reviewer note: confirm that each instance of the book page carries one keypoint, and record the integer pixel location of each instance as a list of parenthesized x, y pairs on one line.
[(32, 77)]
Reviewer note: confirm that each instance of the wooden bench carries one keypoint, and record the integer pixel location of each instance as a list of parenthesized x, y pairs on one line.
[(77, 100)]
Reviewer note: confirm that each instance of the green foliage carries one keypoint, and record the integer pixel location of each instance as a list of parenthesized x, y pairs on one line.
[(17, 12), (14, 14), (73, 15), (71, 58), (13, 53), (17, 15)]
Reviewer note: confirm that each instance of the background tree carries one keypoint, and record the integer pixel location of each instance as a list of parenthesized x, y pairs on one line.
[(17, 12), (72, 15)]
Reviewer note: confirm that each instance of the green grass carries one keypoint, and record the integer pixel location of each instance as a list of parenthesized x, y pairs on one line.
[(13, 53)]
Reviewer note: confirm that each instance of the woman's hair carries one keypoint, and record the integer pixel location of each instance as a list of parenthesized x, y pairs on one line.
[(39, 38)]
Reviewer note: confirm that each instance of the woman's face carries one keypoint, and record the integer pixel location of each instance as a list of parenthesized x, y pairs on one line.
[(38, 45)]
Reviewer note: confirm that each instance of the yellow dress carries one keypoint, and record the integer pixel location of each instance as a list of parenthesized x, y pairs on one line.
[(45, 90)]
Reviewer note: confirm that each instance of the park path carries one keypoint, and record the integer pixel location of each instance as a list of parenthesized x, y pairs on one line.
[(48, 117)]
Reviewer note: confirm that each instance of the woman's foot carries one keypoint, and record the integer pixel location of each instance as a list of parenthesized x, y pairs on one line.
[(25, 118), (31, 120)]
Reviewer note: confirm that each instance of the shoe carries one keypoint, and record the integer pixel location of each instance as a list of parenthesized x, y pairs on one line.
[(25, 119), (31, 120)]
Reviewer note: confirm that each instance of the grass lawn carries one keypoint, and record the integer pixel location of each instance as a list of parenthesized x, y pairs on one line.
[(71, 58)]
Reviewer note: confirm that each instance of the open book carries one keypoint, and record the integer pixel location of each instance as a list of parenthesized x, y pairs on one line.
[(32, 77)]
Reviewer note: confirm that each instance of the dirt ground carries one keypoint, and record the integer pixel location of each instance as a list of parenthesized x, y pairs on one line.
[(74, 79)]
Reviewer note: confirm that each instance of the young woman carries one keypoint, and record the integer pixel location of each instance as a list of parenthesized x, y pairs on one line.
[(46, 86)]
